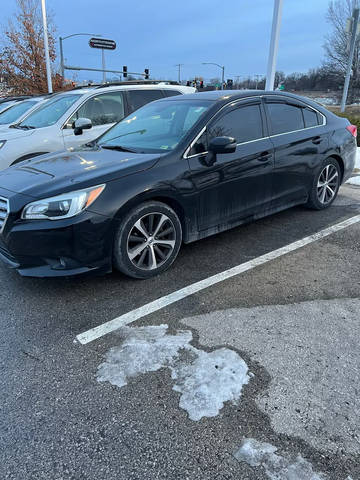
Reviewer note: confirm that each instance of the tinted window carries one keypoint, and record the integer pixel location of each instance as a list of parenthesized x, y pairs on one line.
[(138, 98), (101, 110), (310, 117), (285, 118), (244, 124), (171, 93)]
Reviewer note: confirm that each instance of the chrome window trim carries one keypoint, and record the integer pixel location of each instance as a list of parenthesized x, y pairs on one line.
[(6, 200), (185, 155)]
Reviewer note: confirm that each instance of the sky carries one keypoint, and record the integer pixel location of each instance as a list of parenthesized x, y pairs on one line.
[(158, 34)]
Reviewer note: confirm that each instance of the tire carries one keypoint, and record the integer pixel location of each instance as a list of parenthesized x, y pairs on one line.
[(147, 240), (326, 184)]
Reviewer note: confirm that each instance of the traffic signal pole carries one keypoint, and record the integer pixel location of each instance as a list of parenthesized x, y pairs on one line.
[(355, 22), (274, 45)]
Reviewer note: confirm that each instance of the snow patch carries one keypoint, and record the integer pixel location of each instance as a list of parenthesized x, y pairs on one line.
[(205, 380), (354, 180), (357, 158), (277, 467)]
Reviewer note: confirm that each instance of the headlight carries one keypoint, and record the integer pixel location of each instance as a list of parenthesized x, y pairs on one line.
[(62, 206), (2, 143)]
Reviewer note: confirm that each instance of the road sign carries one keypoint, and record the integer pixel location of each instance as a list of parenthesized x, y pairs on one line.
[(103, 43)]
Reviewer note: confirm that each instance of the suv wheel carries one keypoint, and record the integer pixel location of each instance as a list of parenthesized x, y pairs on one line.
[(147, 240)]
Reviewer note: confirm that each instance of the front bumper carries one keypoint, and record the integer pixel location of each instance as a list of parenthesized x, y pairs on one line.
[(78, 245)]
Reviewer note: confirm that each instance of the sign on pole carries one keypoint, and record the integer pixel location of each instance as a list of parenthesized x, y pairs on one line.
[(103, 43)]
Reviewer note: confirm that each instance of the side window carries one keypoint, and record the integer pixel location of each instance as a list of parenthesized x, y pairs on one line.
[(310, 117), (101, 109), (138, 98), (171, 93), (243, 123), (285, 118)]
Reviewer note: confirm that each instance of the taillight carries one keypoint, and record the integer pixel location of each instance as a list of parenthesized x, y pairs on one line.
[(352, 129)]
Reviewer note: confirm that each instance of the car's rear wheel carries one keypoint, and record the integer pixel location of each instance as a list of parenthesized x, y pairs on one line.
[(147, 240), (326, 185)]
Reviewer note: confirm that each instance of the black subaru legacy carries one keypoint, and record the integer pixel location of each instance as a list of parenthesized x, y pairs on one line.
[(177, 170)]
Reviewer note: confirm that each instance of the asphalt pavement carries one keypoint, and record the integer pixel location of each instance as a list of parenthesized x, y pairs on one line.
[(253, 377)]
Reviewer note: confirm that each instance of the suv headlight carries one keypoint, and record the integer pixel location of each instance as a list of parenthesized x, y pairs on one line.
[(2, 143), (62, 206)]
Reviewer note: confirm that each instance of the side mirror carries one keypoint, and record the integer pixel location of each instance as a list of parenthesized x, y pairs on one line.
[(222, 145), (81, 124)]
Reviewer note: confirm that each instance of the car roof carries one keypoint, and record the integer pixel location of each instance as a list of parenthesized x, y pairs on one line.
[(226, 95), (110, 88)]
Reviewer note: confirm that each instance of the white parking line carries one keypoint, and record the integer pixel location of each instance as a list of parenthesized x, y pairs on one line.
[(166, 300)]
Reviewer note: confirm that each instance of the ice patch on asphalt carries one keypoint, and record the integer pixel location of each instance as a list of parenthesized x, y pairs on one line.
[(276, 467), (205, 380)]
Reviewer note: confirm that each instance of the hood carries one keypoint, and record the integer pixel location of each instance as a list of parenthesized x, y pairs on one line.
[(7, 133), (64, 171)]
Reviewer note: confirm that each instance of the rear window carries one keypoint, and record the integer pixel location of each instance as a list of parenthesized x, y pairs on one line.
[(171, 93), (310, 117), (139, 98), (285, 118)]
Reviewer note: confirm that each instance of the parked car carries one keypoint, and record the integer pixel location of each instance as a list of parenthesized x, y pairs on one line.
[(76, 117), (176, 170), (17, 111), (5, 105)]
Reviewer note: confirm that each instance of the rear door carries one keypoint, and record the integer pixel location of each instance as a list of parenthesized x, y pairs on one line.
[(104, 110), (237, 185), (300, 142), (139, 98)]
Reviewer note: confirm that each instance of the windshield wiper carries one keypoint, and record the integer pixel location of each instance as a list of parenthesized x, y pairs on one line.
[(117, 147), (26, 127)]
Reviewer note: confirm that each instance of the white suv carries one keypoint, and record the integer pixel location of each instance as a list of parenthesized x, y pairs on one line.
[(76, 117)]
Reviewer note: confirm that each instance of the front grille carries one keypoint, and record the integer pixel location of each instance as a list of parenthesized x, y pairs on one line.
[(4, 212)]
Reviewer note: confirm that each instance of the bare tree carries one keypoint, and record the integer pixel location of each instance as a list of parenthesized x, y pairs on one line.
[(22, 58), (337, 41)]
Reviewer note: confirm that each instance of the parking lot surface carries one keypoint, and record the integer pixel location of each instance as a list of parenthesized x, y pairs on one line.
[(252, 377)]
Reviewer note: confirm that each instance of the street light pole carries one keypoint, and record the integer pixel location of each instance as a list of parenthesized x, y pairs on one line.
[(46, 47), (222, 69), (355, 22), (274, 45), (179, 65), (61, 39)]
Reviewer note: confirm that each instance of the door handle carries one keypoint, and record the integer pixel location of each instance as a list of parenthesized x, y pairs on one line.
[(264, 156), (316, 140)]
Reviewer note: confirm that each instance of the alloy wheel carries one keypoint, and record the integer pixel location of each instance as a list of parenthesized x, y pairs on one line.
[(151, 241), (328, 183)]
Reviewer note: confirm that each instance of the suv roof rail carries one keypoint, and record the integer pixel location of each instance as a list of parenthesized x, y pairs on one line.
[(138, 82)]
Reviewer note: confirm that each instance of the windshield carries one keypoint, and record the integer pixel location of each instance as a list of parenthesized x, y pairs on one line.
[(156, 127), (50, 113), (16, 111), (5, 105)]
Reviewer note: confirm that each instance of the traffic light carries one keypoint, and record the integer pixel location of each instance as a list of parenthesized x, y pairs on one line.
[(125, 71), (146, 71), (229, 84)]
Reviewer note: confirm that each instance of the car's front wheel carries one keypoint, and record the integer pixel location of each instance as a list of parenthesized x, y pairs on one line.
[(326, 185), (147, 240)]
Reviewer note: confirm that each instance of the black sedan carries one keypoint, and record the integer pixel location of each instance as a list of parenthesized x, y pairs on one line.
[(176, 170)]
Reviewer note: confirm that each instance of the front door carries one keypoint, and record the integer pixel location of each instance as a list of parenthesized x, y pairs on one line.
[(237, 185)]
